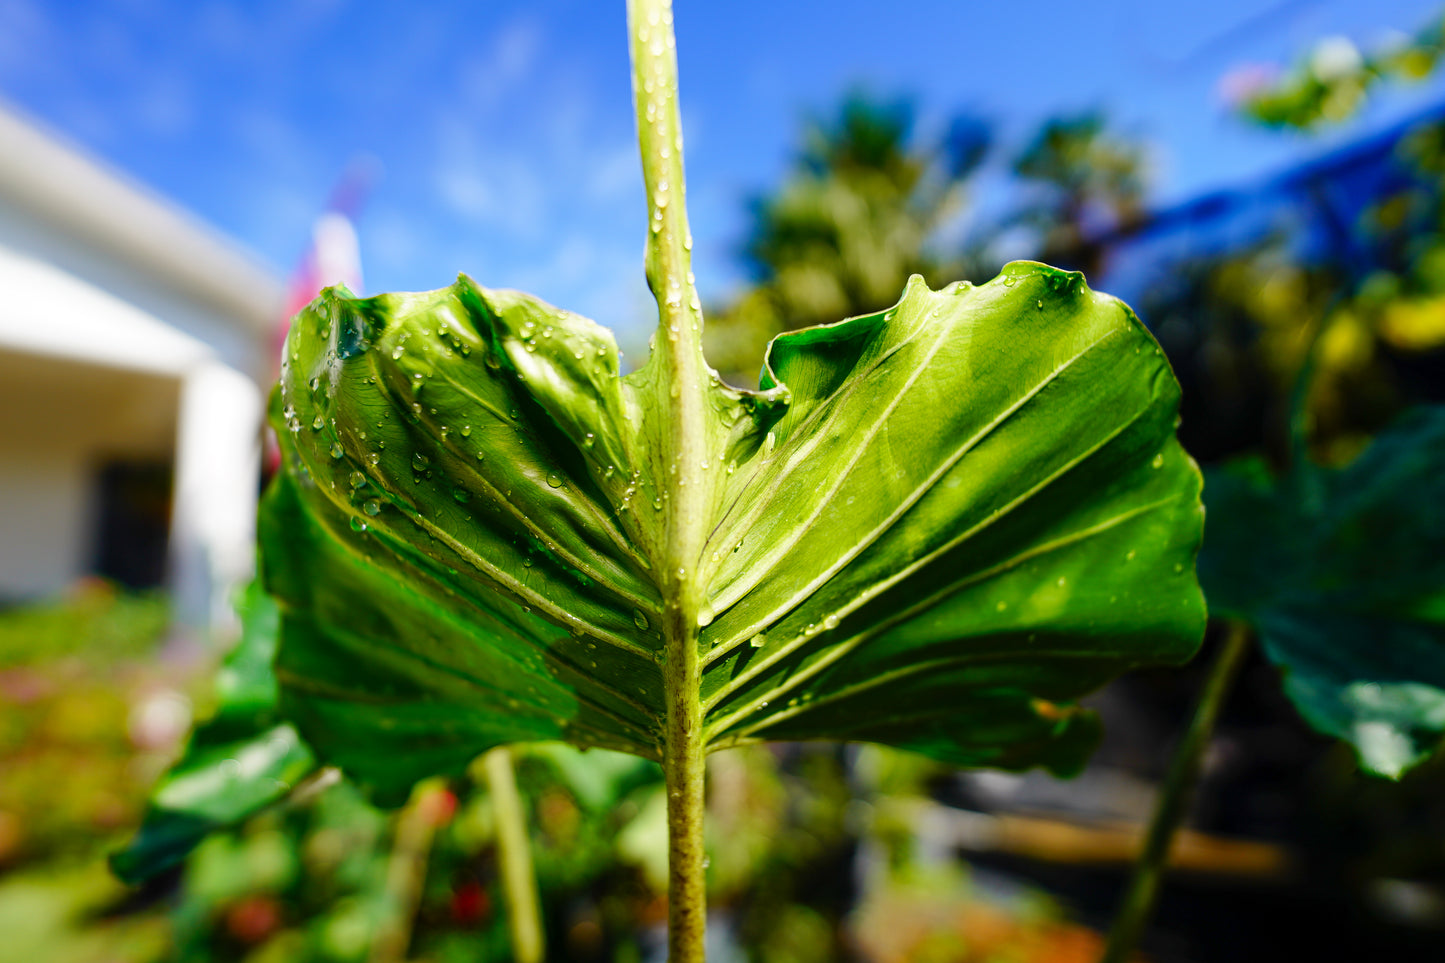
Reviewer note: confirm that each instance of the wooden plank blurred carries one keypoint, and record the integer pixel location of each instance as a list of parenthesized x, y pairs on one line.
[(1065, 839)]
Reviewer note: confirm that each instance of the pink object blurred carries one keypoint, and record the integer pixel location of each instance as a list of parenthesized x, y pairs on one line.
[(333, 257), (1243, 83)]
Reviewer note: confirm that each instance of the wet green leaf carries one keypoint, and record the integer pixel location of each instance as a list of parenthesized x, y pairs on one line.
[(1342, 574), (242, 760), (934, 527)]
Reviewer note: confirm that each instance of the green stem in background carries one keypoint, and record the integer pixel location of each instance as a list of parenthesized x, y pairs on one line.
[(514, 849), (1299, 398), (682, 383), (416, 827), (1174, 798), (1300, 425)]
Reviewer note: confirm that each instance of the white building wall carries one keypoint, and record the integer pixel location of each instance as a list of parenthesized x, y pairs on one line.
[(23, 235), (127, 329), (45, 522), (218, 472)]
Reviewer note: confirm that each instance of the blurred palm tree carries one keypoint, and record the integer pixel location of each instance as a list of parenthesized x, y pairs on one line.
[(857, 214), (1084, 184)]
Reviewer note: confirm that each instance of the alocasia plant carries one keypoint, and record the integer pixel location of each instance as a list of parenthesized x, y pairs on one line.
[(1340, 574), (933, 527)]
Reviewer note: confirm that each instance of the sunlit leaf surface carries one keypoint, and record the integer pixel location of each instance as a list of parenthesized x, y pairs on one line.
[(1342, 573), (934, 527)]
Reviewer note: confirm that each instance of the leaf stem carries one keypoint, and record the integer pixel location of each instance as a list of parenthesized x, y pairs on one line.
[(416, 827), (1174, 798), (681, 382), (514, 849), (683, 770), (683, 373)]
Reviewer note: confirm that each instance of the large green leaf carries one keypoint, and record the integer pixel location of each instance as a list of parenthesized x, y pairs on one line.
[(934, 527), (1342, 574), (242, 760)]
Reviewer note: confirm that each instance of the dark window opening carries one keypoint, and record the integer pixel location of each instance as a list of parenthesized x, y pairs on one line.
[(133, 522)]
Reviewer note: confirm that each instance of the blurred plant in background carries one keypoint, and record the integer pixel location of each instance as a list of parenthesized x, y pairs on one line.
[(84, 712), (90, 720), (1081, 184), (855, 216), (1331, 83), (868, 202), (1351, 278)]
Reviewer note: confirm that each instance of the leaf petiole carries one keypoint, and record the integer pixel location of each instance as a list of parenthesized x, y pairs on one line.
[(1174, 797), (679, 383), (514, 849)]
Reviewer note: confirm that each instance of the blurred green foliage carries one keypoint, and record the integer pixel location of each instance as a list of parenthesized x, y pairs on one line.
[(868, 201), (79, 713), (1359, 324), (1332, 82), (1082, 183), (856, 215), (94, 622), (1341, 575), (241, 760)]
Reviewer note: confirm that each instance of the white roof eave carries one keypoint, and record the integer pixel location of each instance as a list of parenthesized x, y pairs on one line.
[(60, 184), (49, 312)]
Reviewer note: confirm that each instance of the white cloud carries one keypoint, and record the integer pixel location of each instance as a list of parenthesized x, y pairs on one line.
[(389, 242), (492, 181), (486, 80), (165, 105), (464, 190), (615, 173)]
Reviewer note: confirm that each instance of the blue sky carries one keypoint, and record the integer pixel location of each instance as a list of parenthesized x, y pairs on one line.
[(504, 134)]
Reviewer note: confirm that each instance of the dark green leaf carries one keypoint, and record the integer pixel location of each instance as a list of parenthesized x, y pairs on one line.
[(935, 527), (242, 760), (1342, 573)]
